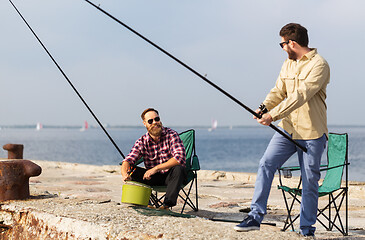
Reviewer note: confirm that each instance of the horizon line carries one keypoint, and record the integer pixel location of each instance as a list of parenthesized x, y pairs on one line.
[(53, 126)]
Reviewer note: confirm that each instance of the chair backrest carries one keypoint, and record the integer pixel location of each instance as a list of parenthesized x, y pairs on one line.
[(337, 155), (192, 161), (187, 138)]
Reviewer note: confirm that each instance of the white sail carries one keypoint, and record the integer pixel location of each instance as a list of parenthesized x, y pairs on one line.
[(214, 125), (39, 126)]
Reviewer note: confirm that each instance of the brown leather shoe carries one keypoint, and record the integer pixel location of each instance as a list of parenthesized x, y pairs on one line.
[(164, 207)]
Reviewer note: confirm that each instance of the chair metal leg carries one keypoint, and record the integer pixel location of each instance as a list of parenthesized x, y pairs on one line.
[(186, 199), (329, 212), (289, 221), (196, 192), (337, 217), (346, 215), (154, 199), (288, 217)]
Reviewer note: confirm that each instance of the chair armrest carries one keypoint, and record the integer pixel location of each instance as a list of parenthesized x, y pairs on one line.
[(287, 170), (195, 166), (296, 168), (138, 162), (328, 168)]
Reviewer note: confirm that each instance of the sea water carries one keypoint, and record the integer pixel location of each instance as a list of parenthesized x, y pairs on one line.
[(236, 149)]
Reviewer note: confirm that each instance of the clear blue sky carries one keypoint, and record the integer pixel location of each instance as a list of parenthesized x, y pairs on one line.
[(234, 42)]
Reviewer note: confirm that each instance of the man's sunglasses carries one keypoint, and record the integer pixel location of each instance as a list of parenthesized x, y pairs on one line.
[(282, 43), (150, 121)]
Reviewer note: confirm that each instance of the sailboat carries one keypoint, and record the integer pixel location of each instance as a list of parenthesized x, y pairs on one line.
[(214, 125), (39, 126), (85, 127)]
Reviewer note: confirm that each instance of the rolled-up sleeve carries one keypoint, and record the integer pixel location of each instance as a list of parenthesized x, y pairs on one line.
[(178, 149), (135, 153)]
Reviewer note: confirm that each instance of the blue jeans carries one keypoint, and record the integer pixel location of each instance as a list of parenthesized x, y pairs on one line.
[(277, 153)]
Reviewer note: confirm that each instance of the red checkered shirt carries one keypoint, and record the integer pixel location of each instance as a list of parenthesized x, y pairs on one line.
[(153, 154)]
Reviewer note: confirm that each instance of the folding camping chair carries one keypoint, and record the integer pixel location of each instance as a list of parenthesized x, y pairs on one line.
[(191, 166), (337, 161)]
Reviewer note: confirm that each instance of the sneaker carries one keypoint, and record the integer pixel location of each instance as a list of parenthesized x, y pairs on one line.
[(248, 224), (307, 232), (310, 234)]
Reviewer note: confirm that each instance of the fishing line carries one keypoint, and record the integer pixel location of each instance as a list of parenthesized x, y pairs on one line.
[(68, 80), (196, 73)]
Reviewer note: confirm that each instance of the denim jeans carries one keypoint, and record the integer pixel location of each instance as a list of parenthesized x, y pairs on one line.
[(277, 153)]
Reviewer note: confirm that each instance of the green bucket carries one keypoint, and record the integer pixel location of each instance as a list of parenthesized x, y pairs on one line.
[(136, 193)]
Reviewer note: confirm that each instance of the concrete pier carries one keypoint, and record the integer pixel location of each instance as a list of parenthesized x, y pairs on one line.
[(76, 201)]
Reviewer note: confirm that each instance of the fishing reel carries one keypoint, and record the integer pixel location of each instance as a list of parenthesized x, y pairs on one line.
[(263, 110)]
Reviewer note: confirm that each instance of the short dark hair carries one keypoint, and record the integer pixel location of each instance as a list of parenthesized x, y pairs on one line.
[(148, 110), (295, 32)]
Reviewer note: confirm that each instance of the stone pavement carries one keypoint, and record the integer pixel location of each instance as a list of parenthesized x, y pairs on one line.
[(76, 201)]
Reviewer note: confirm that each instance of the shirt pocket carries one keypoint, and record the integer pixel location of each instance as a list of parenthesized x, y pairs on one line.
[(302, 76), (289, 84), (165, 151)]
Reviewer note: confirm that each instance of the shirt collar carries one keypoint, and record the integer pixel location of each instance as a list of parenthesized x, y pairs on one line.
[(309, 55)]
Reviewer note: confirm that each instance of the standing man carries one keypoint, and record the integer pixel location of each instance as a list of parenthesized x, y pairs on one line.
[(298, 98), (163, 154)]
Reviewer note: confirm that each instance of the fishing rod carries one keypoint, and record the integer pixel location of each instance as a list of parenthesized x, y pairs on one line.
[(196, 73), (68, 80)]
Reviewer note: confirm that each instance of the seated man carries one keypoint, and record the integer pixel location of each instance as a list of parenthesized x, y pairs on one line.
[(163, 153)]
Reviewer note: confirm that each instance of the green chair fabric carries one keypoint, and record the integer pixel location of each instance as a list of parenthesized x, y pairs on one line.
[(337, 156), (337, 163)]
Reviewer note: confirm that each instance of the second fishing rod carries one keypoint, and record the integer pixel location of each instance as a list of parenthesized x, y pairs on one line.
[(198, 74), (67, 79)]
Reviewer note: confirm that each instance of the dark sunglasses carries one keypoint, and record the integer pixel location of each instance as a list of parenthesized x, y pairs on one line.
[(150, 121), (282, 43)]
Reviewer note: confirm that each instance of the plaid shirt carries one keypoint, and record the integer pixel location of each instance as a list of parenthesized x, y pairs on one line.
[(153, 154)]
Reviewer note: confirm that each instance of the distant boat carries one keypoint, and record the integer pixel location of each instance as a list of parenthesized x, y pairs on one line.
[(214, 125), (85, 127), (39, 126)]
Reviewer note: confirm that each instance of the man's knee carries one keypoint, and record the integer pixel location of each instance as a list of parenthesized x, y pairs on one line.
[(268, 165), (178, 170)]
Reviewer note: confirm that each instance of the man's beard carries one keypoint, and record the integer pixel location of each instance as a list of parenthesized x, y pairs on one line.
[(291, 54), (155, 130)]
